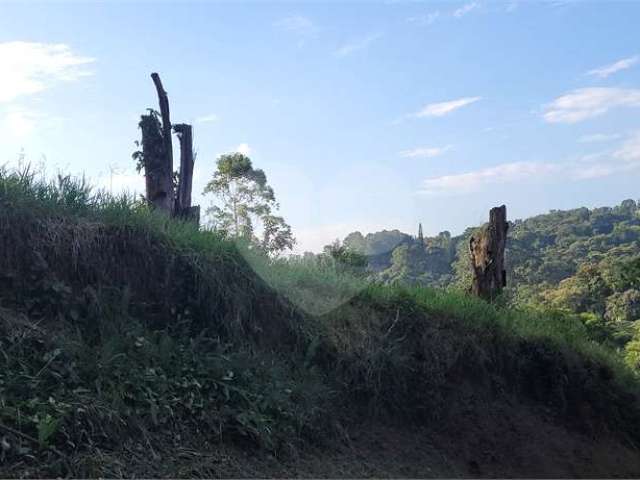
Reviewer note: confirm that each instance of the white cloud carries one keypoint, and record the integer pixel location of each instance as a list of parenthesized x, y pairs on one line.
[(29, 68), (599, 137), (297, 24), (466, 8), (425, 152), (472, 181), (432, 17), (444, 108), (605, 71), (356, 45), (625, 158), (210, 118), (244, 149), (585, 103), (630, 150), (428, 19)]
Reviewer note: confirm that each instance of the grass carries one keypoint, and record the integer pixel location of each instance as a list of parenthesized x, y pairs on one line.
[(123, 330)]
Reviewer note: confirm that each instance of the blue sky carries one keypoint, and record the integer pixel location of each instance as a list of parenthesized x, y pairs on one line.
[(364, 115)]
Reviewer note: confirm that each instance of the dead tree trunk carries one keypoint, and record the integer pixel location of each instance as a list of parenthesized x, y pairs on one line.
[(157, 158), (183, 206), (486, 249), (163, 100), (158, 180)]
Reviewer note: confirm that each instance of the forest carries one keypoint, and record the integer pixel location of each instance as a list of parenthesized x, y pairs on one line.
[(584, 262)]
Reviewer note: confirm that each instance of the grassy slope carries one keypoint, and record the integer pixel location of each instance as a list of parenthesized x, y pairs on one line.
[(126, 339)]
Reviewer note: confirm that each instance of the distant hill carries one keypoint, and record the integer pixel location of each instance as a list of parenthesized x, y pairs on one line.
[(544, 249), (581, 261)]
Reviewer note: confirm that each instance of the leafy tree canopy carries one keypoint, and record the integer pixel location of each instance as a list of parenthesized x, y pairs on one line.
[(247, 201)]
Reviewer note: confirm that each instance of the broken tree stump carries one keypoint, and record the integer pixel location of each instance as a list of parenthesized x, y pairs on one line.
[(183, 206), (158, 178), (183, 193), (486, 250), (163, 101), (157, 158), (157, 153)]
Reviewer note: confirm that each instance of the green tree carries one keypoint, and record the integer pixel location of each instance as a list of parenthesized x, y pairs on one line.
[(623, 306), (408, 265), (245, 200), (347, 257)]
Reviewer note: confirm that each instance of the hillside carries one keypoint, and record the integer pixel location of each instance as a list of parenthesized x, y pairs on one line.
[(136, 345), (582, 261), (544, 249)]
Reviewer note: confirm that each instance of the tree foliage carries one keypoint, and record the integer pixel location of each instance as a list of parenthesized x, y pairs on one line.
[(346, 257), (247, 201), (583, 262)]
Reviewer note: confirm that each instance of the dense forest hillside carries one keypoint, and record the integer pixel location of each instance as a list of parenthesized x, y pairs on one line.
[(542, 250), (133, 344), (582, 261)]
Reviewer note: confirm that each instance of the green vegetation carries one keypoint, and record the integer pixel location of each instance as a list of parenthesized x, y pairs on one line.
[(583, 262), (246, 198), (128, 335)]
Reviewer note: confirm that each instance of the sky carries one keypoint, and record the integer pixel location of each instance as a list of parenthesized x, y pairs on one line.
[(364, 116)]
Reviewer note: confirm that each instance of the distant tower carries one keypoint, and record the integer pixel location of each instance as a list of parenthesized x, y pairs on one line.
[(420, 237)]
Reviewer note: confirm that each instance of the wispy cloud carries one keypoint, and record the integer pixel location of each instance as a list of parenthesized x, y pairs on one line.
[(466, 8), (425, 152), (630, 150), (622, 159), (606, 70), (626, 158), (585, 103), (297, 24), (29, 68), (599, 137), (426, 19), (444, 108), (300, 26), (431, 17), (356, 45), (469, 182), (209, 118)]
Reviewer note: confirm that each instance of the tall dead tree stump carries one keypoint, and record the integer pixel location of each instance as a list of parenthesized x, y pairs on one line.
[(486, 249), (157, 158), (183, 206), (157, 173)]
